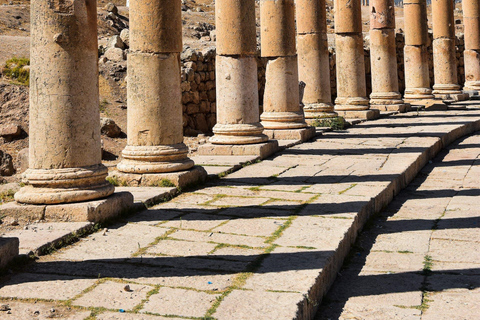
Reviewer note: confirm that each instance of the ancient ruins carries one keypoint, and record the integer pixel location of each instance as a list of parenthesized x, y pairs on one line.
[(67, 181)]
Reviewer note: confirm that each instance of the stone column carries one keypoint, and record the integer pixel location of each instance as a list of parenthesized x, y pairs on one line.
[(281, 103), (313, 58), (446, 85), (65, 151), (417, 78), (471, 21), (238, 115), (351, 99), (385, 95), (155, 131)]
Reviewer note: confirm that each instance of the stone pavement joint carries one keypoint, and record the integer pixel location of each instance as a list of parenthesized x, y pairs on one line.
[(265, 242)]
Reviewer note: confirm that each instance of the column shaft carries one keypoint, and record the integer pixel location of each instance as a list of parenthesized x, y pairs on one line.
[(238, 116), (313, 58), (444, 60), (471, 21), (385, 95), (417, 79), (351, 80), (154, 130), (65, 151), (281, 103)]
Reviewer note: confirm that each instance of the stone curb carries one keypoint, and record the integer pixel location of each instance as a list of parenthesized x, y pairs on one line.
[(309, 305)]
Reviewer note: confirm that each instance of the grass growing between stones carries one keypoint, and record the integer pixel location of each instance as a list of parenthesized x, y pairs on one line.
[(17, 70), (6, 196), (334, 123)]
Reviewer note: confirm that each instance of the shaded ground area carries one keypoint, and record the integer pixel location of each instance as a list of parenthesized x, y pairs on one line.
[(256, 244), (419, 259)]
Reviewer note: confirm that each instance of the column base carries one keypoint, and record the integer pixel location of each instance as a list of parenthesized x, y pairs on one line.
[(238, 134), (8, 250), (68, 185), (402, 108), (370, 114), (472, 86), (302, 135), (319, 110), (155, 159), (451, 97), (261, 150), (387, 101), (179, 179), (412, 95), (93, 211), (283, 120)]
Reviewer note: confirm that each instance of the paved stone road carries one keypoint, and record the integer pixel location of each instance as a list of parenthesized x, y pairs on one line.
[(420, 259), (257, 244)]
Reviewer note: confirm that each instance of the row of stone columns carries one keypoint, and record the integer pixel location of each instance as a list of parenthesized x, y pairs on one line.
[(65, 153)]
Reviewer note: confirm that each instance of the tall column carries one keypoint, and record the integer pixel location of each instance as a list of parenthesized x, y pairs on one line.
[(446, 85), (417, 78), (155, 131), (385, 94), (238, 115), (313, 58), (351, 99), (471, 21), (65, 151), (281, 103)]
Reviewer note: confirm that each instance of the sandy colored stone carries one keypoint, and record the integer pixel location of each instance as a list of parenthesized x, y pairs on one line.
[(112, 295), (238, 118), (195, 221), (351, 85), (155, 26), (214, 237), (181, 248), (129, 316), (277, 21), (460, 304), (238, 201), (454, 251), (170, 301), (235, 25), (65, 152), (416, 29), (261, 305), (294, 135), (116, 244), (348, 16), (44, 286), (251, 227), (41, 311)]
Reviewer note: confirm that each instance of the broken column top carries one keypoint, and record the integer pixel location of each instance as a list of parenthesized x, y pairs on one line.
[(382, 14), (156, 26), (443, 19), (236, 28), (348, 16), (311, 16)]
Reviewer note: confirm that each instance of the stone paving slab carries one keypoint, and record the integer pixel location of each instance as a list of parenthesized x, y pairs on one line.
[(268, 240), (418, 248)]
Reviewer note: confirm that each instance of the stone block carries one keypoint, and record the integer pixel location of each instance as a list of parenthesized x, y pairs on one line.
[(23, 212), (370, 114), (94, 211), (302, 135), (8, 250), (402, 108), (262, 150), (180, 179)]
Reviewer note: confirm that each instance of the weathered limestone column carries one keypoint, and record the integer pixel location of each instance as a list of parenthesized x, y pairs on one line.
[(313, 58), (446, 85), (238, 115), (155, 133), (471, 21), (385, 94), (281, 104), (352, 101), (65, 151), (417, 79), (238, 130)]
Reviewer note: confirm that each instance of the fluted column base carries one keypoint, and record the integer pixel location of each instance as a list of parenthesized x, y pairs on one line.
[(54, 186), (155, 159), (238, 134), (319, 110), (283, 120)]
